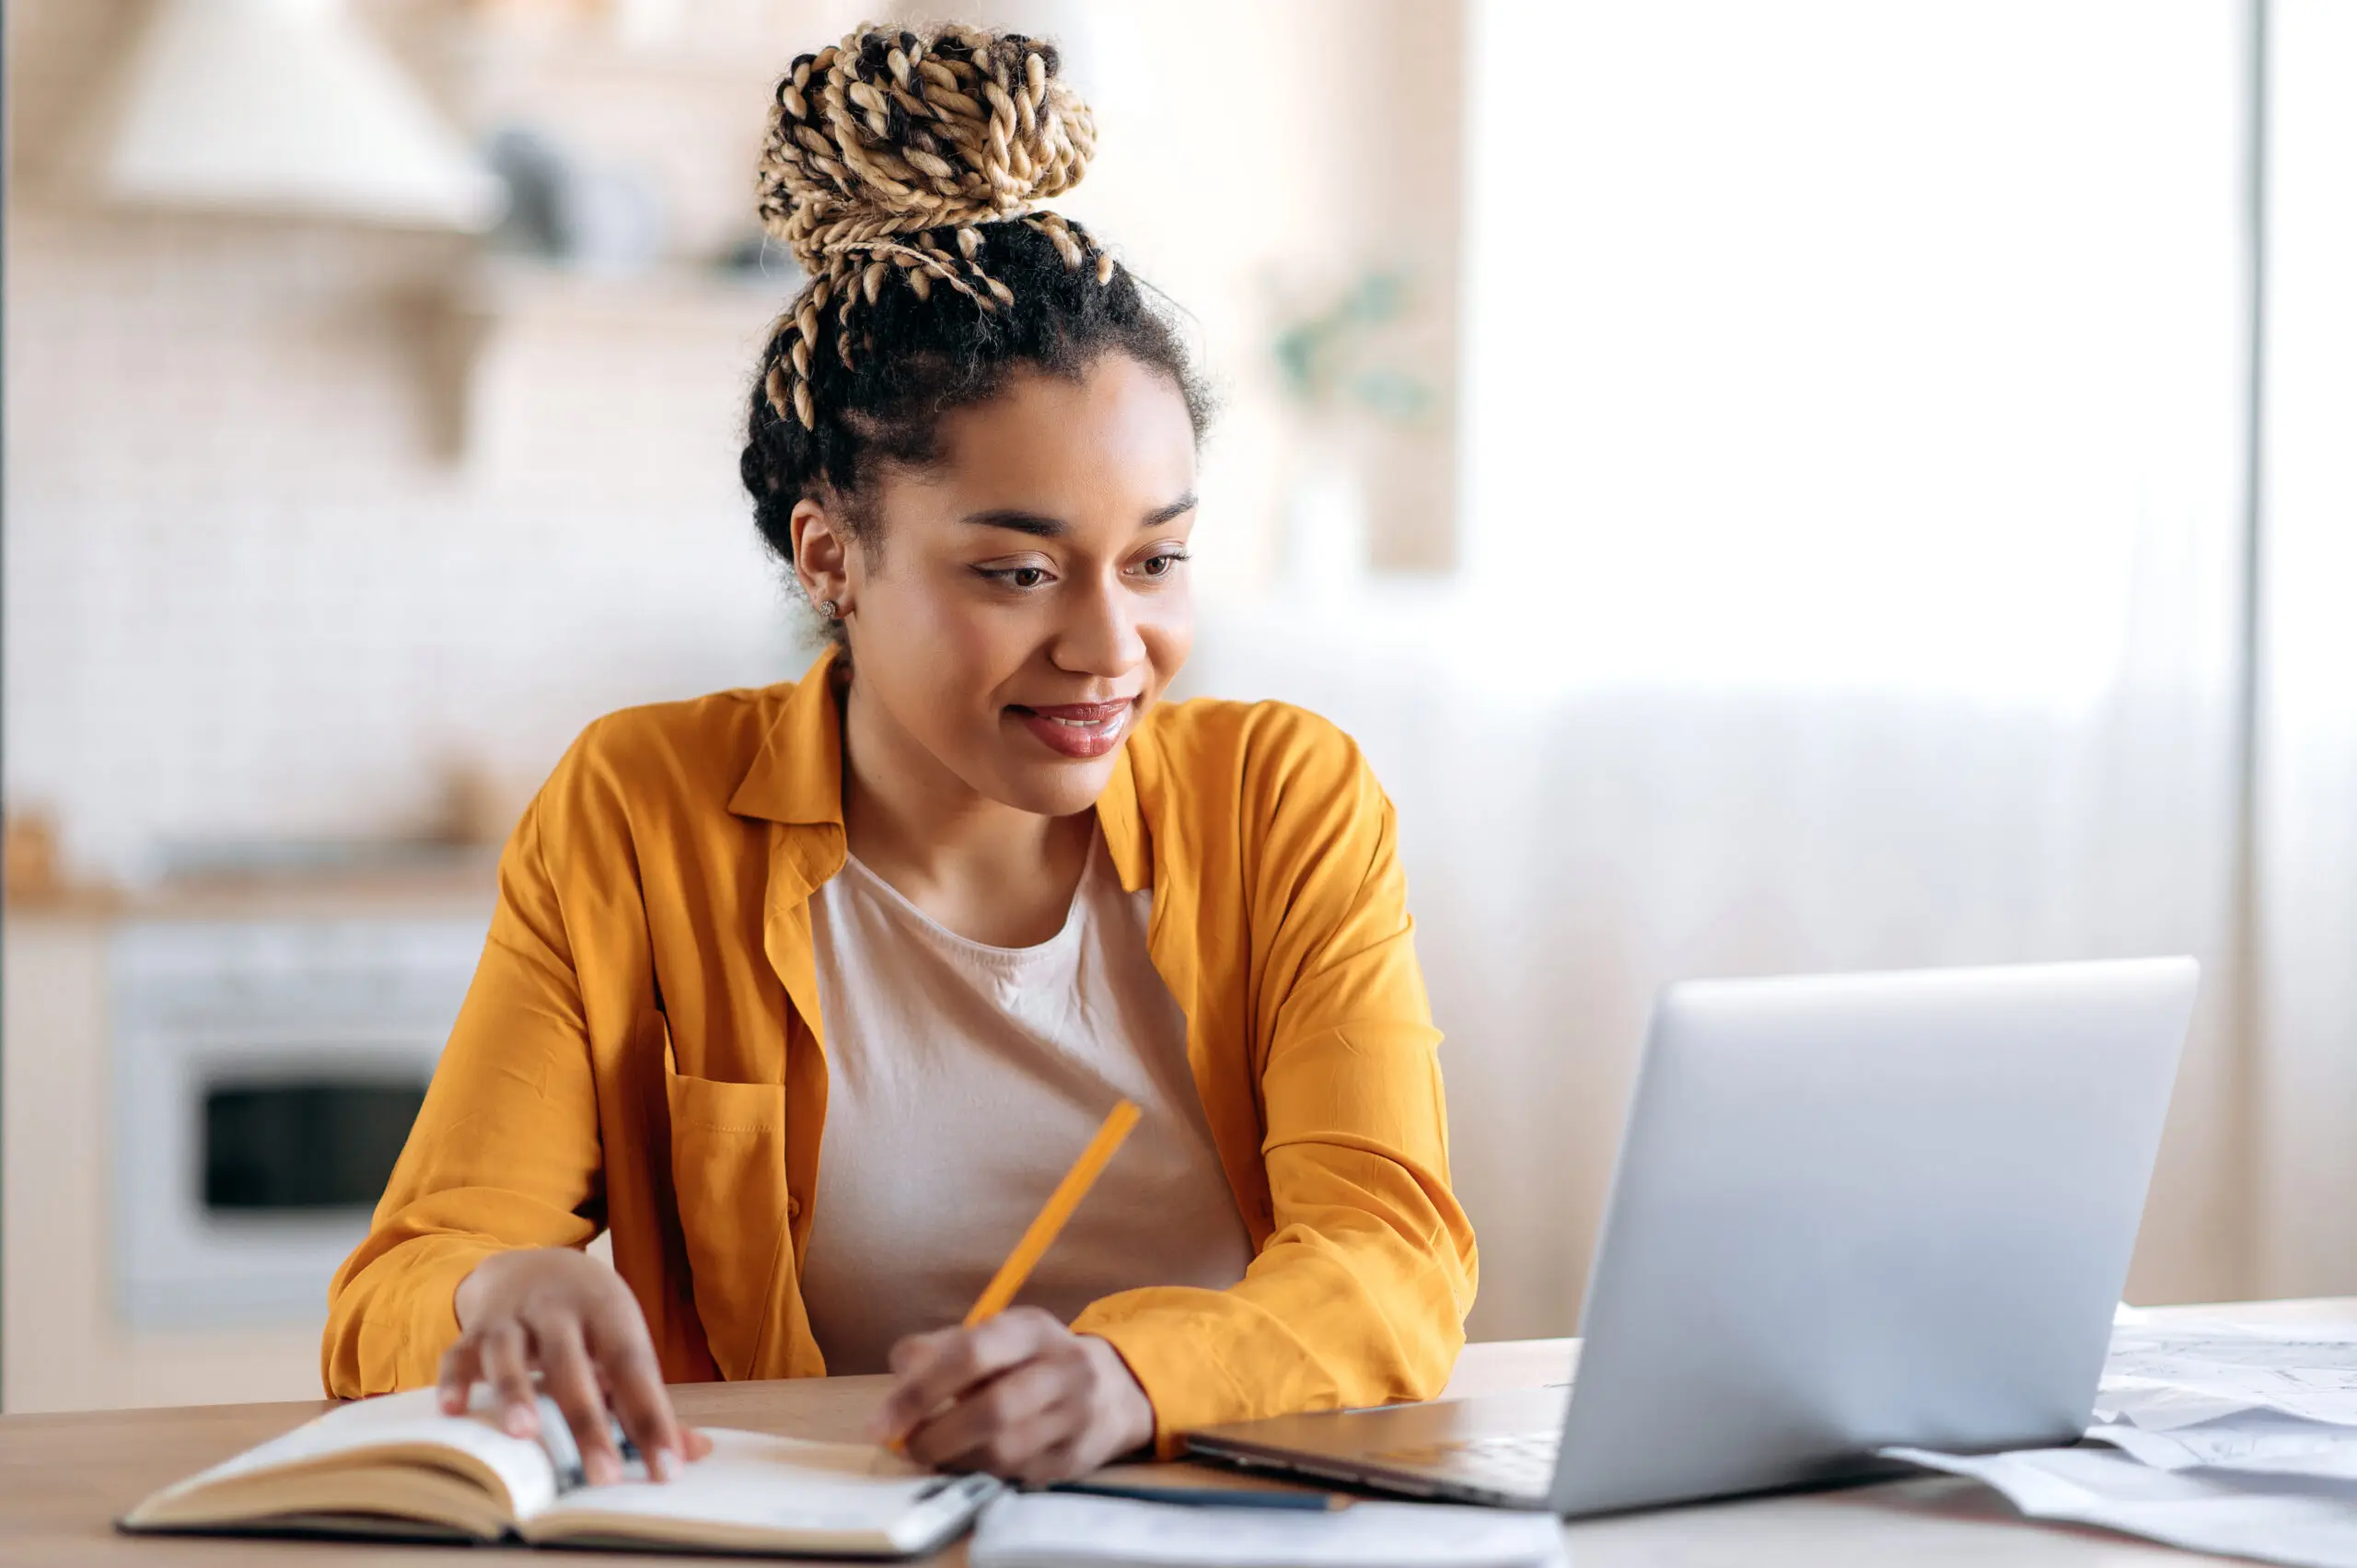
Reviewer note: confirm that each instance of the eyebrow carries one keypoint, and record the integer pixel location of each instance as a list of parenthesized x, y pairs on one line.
[(1043, 527)]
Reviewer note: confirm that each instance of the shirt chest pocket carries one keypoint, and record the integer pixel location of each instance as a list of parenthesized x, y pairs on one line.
[(728, 1172)]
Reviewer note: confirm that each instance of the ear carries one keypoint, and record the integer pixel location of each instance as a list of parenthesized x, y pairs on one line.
[(822, 552)]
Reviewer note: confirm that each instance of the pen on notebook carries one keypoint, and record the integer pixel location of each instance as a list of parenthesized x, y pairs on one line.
[(1206, 1496), (1000, 1292)]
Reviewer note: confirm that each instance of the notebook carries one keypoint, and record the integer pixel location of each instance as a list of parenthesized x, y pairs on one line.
[(397, 1468), (1059, 1530)]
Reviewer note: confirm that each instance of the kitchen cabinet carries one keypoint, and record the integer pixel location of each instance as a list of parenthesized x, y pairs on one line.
[(99, 1312)]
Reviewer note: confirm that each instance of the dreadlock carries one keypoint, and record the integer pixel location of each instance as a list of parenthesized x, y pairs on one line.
[(904, 170)]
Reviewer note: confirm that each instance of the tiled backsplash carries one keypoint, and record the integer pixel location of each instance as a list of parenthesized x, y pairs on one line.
[(247, 594)]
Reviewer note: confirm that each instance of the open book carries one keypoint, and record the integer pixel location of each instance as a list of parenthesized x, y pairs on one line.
[(396, 1467)]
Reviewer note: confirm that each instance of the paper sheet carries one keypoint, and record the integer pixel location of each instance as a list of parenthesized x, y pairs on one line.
[(2306, 1523), (2165, 1377), (2257, 1442), (1060, 1530), (2213, 1437)]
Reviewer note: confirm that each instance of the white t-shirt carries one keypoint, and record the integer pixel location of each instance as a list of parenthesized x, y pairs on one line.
[(962, 1082)]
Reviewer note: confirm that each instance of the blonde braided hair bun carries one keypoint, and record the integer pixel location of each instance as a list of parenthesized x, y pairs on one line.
[(905, 171), (887, 153)]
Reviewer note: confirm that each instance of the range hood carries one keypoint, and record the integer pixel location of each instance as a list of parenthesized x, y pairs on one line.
[(280, 107)]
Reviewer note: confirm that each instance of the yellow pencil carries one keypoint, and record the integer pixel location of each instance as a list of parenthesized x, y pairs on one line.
[(1051, 1217), (1054, 1213)]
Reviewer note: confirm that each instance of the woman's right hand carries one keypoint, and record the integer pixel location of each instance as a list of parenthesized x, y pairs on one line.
[(569, 1316)]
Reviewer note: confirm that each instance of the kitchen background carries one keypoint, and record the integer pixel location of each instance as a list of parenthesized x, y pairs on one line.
[(1815, 486)]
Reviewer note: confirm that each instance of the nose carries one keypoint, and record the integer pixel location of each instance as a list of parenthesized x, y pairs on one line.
[(1099, 635)]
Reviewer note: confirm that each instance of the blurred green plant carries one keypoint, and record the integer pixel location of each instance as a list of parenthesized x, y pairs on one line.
[(1345, 356)]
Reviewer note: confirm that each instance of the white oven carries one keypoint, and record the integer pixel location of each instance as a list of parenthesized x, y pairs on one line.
[(266, 1072)]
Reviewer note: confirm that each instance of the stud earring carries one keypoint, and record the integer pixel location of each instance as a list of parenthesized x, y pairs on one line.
[(829, 608)]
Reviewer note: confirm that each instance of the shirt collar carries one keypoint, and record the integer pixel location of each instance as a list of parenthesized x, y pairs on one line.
[(797, 775)]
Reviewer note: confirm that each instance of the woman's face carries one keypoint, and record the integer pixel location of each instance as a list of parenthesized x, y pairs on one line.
[(1025, 601)]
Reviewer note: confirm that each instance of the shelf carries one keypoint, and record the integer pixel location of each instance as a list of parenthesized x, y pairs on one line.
[(496, 295), (499, 288)]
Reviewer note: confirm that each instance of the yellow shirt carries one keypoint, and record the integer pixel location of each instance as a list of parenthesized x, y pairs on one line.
[(641, 1052)]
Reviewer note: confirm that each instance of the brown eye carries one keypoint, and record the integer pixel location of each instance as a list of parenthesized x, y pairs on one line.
[(1160, 565), (1027, 576)]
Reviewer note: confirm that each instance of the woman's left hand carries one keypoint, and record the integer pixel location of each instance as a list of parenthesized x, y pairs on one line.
[(1019, 1395)]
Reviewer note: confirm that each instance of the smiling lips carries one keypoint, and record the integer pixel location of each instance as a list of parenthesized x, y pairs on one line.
[(1078, 729)]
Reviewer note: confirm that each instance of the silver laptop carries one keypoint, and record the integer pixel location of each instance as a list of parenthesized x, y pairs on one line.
[(1850, 1211)]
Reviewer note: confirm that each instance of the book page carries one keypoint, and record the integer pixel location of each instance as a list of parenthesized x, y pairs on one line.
[(395, 1427), (752, 1481)]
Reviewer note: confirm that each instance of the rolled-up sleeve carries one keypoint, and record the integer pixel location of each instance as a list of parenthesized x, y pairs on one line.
[(1359, 1294), (504, 1152)]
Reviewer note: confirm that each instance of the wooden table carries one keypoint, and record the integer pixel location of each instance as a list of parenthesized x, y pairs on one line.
[(63, 1479)]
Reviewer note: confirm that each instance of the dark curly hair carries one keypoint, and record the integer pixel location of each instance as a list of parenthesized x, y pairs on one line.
[(901, 169)]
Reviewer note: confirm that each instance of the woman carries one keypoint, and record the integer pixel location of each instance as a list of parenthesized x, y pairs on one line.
[(945, 898)]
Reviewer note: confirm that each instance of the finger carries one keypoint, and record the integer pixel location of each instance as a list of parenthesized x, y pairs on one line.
[(1057, 1461), (510, 1371), (456, 1379), (694, 1442), (972, 1422), (911, 1355), (1014, 1449), (566, 1375), (641, 1401), (911, 1352), (966, 1357), (1099, 1442)]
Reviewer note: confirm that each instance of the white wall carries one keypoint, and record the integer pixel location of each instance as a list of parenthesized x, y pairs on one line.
[(2307, 755), (1854, 451)]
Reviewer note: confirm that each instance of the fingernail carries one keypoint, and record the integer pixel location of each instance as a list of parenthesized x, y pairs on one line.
[(659, 1463), (519, 1421), (604, 1469)]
